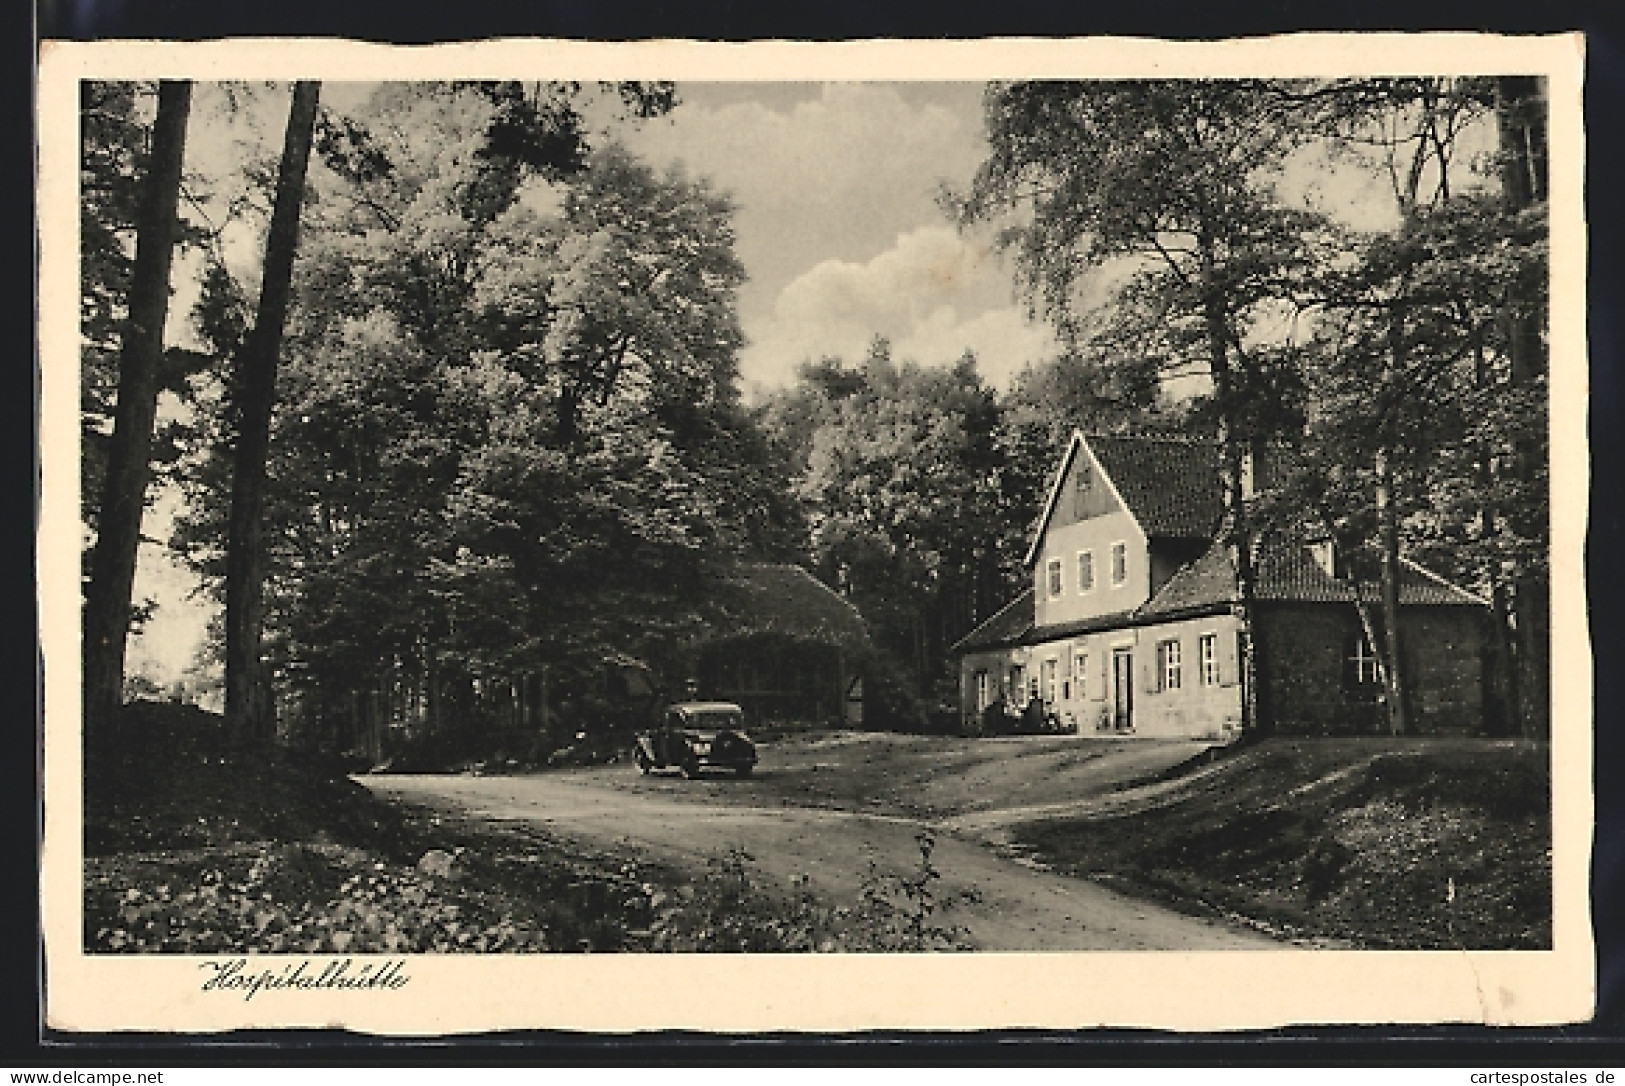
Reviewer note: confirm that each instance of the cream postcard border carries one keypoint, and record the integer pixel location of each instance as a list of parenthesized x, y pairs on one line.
[(1184, 991)]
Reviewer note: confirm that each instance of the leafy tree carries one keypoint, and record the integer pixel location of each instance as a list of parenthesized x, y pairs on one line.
[(1520, 107), (903, 491), (508, 438), (112, 573), (1416, 402), (610, 477), (113, 149)]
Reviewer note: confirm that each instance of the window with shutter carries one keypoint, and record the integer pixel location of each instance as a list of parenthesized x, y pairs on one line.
[(1230, 659), (1207, 652), (1168, 665)]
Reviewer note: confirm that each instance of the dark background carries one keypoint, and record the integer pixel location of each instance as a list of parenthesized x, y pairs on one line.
[(1594, 1045)]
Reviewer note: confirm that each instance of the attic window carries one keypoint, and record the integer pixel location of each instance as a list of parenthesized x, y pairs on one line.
[(1325, 556), (1082, 480), (1119, 564), (1054, 577)]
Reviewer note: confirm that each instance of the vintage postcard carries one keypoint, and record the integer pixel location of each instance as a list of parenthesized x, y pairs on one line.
[(951, 535)]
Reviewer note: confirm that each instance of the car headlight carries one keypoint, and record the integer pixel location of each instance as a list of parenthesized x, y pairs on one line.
[(702, 748)]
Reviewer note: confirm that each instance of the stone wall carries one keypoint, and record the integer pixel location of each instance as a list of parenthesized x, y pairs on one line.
[(1305, 650)]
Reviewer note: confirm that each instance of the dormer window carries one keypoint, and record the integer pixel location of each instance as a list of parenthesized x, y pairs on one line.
[(1054, 577), (1119, 564), (1325, 556)]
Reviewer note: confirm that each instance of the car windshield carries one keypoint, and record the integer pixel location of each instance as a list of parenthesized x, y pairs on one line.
[(714, 718)]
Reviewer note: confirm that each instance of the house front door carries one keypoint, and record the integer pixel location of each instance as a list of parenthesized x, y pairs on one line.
[(1122, 690)]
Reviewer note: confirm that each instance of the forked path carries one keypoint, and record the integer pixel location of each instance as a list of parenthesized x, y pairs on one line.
[(1003, 905)]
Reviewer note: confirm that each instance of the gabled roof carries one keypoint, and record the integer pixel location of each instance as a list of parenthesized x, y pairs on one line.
[(763, 598), (1169, 485)]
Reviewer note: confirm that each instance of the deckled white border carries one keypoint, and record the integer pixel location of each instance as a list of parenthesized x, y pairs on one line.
[(1185, 991)]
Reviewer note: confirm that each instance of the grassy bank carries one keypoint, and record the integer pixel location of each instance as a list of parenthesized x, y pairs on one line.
[(196, 845), (1375, 843)]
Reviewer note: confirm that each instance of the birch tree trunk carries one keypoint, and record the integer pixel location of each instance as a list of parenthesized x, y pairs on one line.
[(1388, 533)]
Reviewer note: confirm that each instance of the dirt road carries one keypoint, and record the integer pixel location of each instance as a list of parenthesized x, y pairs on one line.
[(1003, 905)]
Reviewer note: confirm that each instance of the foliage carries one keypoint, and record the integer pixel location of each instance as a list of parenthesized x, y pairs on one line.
[(900, 912), (293, 899), (734, 910), (1176, 176), (112, 152), (901, 486), (509, 426)]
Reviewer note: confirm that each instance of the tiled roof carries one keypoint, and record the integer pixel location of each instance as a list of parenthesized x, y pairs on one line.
[(1287, 573), (1007, 626), (1209, 580), (1171, 484), (785, 599)]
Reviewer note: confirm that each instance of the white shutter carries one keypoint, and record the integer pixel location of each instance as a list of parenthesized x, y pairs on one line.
[(1229, 662)]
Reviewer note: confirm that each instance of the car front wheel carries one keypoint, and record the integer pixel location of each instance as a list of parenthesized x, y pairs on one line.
[(643, 762), (691, 767)]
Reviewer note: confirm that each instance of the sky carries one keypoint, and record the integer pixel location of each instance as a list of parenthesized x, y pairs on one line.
[(838, 223)]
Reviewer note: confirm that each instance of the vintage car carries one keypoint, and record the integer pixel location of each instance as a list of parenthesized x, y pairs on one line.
[(697, 735)]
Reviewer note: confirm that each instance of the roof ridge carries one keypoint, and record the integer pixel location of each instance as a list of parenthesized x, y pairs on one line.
[(1175, 439), (1436, 578)]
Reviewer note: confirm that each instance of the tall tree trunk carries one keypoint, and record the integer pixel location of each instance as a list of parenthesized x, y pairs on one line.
[(246, 706), (1399, 722), (1521, 122), (124, 488), (1235, 531)]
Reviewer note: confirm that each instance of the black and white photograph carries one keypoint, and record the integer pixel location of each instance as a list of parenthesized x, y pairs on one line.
[(1106, 523)]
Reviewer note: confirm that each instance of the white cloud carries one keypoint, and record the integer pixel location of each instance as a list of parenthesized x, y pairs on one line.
[(1003, 340), (829, 176), (928, 294)]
